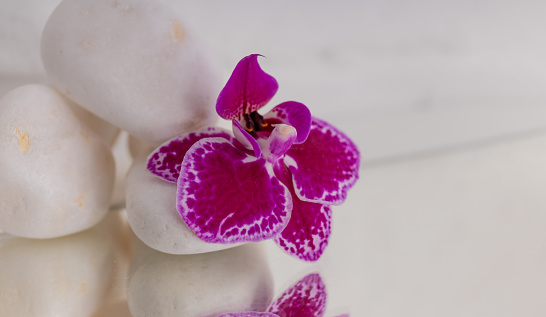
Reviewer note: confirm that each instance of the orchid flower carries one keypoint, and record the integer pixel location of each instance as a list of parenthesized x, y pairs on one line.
[(275, 178), (306, 298)]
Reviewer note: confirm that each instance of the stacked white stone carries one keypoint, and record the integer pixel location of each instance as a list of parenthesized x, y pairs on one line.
[(129, 65)]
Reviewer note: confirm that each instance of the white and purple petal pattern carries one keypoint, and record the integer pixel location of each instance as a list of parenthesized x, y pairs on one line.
[(306, 235), (226, 195), (306, 298), (292, 113), (165, 161), (249, 314), (325, 166), (248, 89)]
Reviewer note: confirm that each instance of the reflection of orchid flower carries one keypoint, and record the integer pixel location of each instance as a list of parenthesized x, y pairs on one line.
[(277, 178), (306, 298)]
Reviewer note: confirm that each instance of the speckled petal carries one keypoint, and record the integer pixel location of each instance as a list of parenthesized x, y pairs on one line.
[(325, 166), (165, 161), (246, 140), (248, 89), (249, 314), (306, 298), (306, 235), (292, 113), (227, 196)]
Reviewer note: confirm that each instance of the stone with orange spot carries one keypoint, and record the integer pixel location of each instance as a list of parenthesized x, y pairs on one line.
[(132, 63), (57, 173)]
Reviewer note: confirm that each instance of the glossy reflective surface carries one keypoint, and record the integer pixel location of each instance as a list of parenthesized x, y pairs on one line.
[(107, 271), (69, 276)]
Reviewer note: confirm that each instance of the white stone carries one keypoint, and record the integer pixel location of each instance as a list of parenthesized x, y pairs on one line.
[(68, 276), (210, 284), (106, 130), (57, 173), (152, 214), (132, 63)]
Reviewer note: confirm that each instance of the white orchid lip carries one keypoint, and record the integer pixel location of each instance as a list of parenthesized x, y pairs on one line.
[(279, 141)]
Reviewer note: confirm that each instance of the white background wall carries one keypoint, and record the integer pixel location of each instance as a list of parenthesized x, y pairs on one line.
[(477, 63)]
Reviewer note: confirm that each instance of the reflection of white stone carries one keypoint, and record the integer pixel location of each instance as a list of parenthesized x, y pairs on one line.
[(152, 214), (132, 63), (69, 276), (138, 147), (118, 309), (199, 285), (57, 174)]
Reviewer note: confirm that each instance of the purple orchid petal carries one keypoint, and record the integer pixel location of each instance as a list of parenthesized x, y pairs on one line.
[(306, 235), (227, 196), (306, 298), (249, 314), (279, 141), (165, 161), (246, 139), (248, 89), (292, 113), (325, 166)]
